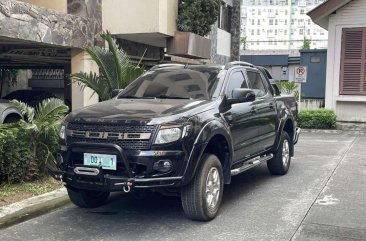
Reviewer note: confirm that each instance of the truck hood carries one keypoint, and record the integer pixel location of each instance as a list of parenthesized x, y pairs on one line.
[(152, 111)]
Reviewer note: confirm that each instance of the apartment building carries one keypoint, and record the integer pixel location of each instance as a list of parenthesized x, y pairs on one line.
[(280, 24), (45, 39)]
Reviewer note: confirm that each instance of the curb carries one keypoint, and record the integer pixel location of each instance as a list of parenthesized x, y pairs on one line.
[(32, 207), (326, 131)]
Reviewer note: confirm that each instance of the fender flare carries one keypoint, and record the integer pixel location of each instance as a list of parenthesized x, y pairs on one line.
[(210, 129), (9, 111), (281, 126)]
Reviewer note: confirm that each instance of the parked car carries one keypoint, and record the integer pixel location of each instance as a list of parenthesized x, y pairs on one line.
[(30, 97), (178, 129)]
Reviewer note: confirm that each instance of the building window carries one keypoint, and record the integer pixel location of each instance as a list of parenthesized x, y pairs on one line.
[(258, 32), (259, 22), (225, 17), (285, 21), (252, 31), (275, 32), (271, 22), (353, 63), (302, 11), (301, 31), (309, 21), (285, 32), (252, 21), (259, 12), (308, 30), (276, 22)]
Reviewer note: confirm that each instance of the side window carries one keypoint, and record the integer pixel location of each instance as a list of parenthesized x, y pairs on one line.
[(236, 80), (256, 83)]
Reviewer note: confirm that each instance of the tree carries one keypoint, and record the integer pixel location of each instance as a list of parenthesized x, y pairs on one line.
[(116, 69), (41, 123), (243, 41), (306, 44), (197, 16)]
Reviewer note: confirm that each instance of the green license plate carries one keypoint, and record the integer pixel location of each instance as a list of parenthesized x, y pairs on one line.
[(108, 162)]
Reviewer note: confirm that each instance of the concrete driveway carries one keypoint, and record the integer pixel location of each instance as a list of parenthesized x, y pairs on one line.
[(323, 197)]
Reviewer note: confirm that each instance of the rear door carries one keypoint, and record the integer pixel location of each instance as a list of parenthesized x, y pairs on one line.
[(265, 107)]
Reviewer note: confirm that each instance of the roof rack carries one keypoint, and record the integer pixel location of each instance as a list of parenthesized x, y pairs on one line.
[(238, 63), (159, 66)]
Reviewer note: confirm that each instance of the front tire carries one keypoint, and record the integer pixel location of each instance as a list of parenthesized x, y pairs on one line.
[(201, 198), (280, 163), (87, 199)]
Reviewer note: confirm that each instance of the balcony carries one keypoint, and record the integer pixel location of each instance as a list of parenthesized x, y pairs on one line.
[(148, 22), (189, 45)]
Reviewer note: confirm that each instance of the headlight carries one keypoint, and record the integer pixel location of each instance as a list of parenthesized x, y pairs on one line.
[(168, 135), (62, 133)]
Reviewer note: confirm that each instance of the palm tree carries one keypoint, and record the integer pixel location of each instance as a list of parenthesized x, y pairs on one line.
[(116, 69), (42, 123)]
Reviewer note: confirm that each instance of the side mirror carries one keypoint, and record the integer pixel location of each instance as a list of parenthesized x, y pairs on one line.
[(116, 92), (241, 96)]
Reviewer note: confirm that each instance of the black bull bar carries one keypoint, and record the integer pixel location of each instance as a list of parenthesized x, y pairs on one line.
[(94, 178)]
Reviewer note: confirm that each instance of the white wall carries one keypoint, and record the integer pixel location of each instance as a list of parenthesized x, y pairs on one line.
[(223, 42), (351, 15)]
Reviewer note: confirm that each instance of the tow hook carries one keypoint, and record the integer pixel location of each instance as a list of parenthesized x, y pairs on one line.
[(127, 187)]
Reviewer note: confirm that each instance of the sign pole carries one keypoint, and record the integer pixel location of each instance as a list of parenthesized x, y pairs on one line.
[(299, 107)]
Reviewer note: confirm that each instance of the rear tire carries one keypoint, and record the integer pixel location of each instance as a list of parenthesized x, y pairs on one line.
[(87, 199), (280, 163), (201, 198)]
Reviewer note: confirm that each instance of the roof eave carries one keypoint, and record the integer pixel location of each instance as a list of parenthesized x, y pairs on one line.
[(320, 14)]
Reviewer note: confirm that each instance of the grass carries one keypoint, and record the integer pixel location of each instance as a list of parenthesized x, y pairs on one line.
[(11, 193)]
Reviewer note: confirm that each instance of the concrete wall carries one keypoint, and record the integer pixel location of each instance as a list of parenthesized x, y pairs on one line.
[(58, 5), (351, 15), (140, 16), (223, 42)]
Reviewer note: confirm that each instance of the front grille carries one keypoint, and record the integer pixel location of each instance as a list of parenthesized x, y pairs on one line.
[(125, 136)]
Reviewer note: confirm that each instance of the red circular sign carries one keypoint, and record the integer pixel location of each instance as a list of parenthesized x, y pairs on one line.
[(300, 71)]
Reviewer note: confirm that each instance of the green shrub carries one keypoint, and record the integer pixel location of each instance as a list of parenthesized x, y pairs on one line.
[(317, 119), (15, 155), (197, 16)]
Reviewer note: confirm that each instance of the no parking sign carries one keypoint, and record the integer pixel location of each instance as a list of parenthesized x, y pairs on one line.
[(301, 73)]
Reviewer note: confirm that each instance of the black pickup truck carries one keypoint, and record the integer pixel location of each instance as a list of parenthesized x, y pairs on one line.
[(183, 129)]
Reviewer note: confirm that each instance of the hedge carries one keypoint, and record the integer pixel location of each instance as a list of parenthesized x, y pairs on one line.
[(16, 155), (317, 119)]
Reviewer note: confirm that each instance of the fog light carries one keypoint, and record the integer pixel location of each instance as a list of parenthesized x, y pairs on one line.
[(163, 166)]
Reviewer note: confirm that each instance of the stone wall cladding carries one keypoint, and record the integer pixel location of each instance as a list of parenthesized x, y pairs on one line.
[(91, 10), (235, 31), (24, 21)]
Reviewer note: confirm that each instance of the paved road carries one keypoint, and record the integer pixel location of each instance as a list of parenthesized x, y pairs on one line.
[(323, 197)]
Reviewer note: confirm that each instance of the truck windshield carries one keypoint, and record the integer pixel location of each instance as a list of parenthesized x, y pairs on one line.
[(194, 82)]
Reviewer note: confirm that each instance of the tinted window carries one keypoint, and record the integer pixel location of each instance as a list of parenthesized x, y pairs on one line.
[(256, 83), (237, 80), (192, 83)]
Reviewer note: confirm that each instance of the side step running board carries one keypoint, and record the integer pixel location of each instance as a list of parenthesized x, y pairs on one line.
[(251, 163)]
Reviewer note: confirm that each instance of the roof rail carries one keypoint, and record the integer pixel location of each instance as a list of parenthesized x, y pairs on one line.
[(238, 63), (159, 66)]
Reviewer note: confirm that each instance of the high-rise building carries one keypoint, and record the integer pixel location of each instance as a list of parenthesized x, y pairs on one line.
[(280, 24)]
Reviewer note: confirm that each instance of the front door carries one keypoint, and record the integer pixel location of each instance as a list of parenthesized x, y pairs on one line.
[(241, 118)]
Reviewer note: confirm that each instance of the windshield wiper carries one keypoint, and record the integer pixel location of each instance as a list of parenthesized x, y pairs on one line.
[(172, 97)]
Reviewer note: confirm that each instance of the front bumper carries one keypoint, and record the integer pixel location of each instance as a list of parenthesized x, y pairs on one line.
[(77, 175)]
